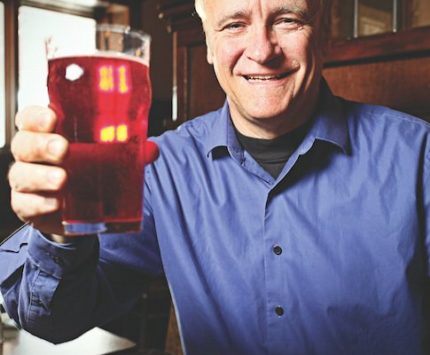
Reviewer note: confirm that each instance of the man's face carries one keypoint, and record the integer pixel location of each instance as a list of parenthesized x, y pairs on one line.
[(267, 58)]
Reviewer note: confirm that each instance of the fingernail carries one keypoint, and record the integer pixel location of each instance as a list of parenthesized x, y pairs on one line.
[(55, 176), (56, 147), (43, 119), (52, 202)]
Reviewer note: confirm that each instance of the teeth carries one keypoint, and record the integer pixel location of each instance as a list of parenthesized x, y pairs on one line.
[(262, 77)]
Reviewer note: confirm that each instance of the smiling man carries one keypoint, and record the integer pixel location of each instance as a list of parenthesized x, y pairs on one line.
[(267, 57), (290, 221)]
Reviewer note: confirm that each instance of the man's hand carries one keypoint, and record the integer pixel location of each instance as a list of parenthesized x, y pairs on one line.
[(35, 177)]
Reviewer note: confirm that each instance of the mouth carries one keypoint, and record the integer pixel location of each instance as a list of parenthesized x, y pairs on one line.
[(264, 77)]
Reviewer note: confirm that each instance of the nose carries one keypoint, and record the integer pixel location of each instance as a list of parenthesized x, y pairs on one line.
[(262, 46)]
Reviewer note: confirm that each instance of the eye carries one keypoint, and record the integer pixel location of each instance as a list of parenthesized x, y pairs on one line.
[(288, 23), (234, 26)]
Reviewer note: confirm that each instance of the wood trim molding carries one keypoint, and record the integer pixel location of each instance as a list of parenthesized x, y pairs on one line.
[(403, 43), (179, 14), (11, 65), (62, 6)]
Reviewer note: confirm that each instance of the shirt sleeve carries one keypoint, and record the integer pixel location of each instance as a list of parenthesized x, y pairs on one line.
[(426, 194), (59, 291), (31, 269)]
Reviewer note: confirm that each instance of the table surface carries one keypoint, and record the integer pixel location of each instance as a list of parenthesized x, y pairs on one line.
[(95, 342)]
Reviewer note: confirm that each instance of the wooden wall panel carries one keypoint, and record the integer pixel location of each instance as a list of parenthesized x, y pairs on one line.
[(205, 94), (403, 83)]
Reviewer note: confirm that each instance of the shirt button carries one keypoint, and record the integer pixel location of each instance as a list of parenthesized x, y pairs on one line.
[(279, 311), (277, 250), (37, 302), (57, 260)]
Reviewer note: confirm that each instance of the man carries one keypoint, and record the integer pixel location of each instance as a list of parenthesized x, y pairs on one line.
[(288, 222)]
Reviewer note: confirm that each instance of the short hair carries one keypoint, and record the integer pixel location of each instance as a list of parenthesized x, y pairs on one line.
[(200, 8)]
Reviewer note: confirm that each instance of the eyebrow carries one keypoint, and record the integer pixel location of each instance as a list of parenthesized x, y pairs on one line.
[(286, 9), (304, 13), (234, 15)]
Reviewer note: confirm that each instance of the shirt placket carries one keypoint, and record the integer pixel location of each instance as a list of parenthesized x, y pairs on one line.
[(275, 248), (276, 256)]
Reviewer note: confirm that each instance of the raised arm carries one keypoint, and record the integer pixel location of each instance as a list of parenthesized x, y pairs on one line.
[(53, 286)]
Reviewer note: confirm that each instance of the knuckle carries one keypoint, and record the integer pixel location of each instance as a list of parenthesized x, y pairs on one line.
[(39, 147), (17, 177), (22, 146), (47, 204), (35, 118), (56, 147), (29, 206), (53, 203), (14, 185), (14, 146), (32, 147), (56, 178), (19, 120), (26, 177), (17, 206), (11, 174), (38, 208), (23, 116)]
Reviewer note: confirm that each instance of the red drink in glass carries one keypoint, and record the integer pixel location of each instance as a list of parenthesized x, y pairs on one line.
[(102, 103)]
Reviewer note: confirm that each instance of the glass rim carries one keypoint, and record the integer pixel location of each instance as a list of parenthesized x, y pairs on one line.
[(123, 29)]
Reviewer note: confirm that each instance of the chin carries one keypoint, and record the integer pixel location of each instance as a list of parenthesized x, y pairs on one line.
[(259, 114)]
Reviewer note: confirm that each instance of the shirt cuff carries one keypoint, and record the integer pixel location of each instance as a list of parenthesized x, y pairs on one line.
[(60, 259), (13, 252)]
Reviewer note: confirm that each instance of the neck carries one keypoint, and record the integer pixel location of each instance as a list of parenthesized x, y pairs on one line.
[(272, 127), (263, 129)]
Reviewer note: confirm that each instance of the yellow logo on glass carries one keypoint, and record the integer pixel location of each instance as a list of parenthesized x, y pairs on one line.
[(107, 79), (111, 134)]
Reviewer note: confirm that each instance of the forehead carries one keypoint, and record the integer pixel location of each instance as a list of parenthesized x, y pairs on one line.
[(221, 7)]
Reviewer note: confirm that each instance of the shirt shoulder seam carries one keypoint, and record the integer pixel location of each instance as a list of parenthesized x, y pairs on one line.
[(393, 114)]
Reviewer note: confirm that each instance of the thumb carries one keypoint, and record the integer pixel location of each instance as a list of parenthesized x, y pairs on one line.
[(36, 119)]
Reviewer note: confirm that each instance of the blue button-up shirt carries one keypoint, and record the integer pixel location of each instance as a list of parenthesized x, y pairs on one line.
[(331, 257)]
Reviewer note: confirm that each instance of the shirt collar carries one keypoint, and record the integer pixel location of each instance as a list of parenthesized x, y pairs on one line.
[(330, 125), (222, 133), (330, 122)]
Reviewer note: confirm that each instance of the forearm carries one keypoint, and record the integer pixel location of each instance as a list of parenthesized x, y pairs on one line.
[(55, 291), (45, 309)]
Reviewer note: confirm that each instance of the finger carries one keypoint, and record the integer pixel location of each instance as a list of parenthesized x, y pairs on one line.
[(49, 224), (28, 206), (26, 177), (39, 147), (36, 118), (150, 151)]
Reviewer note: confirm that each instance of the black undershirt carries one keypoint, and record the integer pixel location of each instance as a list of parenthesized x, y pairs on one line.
[(272, 154)]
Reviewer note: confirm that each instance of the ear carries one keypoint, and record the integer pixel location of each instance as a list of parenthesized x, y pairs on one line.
[(209, 53)]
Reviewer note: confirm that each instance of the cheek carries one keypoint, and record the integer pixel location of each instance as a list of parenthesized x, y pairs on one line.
[(226, 56), (301, 47)]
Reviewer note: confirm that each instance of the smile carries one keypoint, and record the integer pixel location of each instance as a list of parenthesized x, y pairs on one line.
[(256, 77)]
